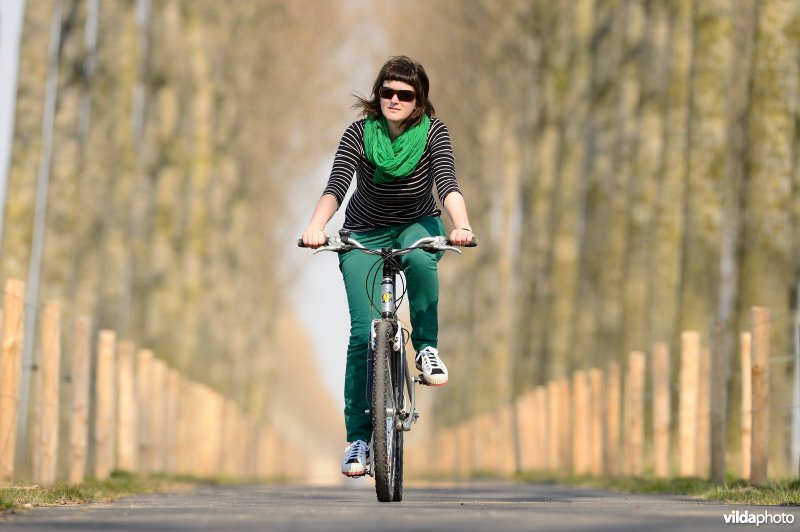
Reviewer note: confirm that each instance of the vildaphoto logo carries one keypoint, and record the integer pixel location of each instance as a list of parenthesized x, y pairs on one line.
[(746, 517)]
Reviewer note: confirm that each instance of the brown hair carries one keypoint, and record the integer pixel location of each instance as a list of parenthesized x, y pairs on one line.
[(405, 69)]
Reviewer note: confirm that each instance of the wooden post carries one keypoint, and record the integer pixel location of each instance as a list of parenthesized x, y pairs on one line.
[(760, 383), (105, 406), (613, 407), (507, 462), (213, 432), (207, 424), (488, 451), (661, 409), (634, 413), (464, 444), (248, 465), (79, 418), (127, 452), (231, 441), (541, 424), (126, 413), (196, 436), (579, 423), (625, 464), (144, 408), (526, 430), (554, 415), (199, 437), (158, 376), (567, 413), (597, 407), (703, 413), (226, 454), (10, 374), (172, 422), (440, 437), (690, 372), (481, 447), (46, 451), (183, 455), (262, 453), (747, 404)]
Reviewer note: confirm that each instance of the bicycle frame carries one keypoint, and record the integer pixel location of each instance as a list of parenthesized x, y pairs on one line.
[(389, 313)]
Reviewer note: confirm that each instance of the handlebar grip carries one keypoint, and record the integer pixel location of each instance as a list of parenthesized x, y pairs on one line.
[(300, 243), (472, 244)]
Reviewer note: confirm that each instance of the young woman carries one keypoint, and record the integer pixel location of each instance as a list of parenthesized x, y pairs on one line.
[(398, 152)]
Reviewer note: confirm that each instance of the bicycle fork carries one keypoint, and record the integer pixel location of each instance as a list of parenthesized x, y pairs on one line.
[(406, 418)]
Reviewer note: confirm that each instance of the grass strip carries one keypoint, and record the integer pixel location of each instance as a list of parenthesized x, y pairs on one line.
[(120, 484), (733, 490)]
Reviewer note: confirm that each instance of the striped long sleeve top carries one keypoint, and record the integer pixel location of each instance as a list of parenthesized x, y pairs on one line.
[(405, 199)]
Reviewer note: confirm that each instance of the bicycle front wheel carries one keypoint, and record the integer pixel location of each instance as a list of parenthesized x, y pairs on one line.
[(387, 440)]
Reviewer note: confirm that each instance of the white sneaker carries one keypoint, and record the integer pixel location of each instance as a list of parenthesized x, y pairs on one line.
[(356, 458), (434, 372)]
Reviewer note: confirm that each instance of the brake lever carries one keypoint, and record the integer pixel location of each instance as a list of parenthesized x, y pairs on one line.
[(440, 245)]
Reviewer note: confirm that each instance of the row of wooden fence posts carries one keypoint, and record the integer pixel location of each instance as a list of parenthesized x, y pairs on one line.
[(586, 425), (147, 417)]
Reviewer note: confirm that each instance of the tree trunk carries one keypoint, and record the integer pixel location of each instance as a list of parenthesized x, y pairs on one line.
[(767, 268)]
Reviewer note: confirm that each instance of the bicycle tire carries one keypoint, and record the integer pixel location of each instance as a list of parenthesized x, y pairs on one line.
[(398, 382), (383, 424), (397, 496)]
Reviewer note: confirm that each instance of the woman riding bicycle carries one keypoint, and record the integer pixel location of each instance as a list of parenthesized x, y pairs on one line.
[(398, 151)]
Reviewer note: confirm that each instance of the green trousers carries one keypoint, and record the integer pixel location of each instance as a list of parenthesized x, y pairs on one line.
[(422, 276)]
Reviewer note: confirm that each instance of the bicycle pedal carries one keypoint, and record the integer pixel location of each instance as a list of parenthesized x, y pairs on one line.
[(419, 379)]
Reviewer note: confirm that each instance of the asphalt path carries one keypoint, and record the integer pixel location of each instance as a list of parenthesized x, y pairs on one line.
[(478, 506)]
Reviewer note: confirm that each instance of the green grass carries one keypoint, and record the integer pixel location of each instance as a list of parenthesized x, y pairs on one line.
[(118, 485), (734, 491)]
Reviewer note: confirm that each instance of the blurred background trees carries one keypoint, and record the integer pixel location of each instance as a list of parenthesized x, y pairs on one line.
[(630, 167), (175, 132)]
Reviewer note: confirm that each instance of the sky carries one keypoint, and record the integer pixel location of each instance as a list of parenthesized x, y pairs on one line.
[(11, 12)]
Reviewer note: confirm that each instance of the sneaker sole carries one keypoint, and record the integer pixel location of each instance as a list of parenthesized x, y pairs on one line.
[(429, 383)]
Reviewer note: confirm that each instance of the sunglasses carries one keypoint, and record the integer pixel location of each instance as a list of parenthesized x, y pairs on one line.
[(388, 93)]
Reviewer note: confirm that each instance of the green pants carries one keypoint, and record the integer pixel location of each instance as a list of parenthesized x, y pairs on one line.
[(422, 275)]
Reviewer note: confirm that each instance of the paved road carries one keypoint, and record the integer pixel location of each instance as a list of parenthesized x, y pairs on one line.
[(478, 506)]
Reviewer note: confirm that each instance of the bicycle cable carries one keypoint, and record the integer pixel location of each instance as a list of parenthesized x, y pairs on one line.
[(372, 274), (371, 291)]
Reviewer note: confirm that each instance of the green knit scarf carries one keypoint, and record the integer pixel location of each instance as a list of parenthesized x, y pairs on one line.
[(398, 158)]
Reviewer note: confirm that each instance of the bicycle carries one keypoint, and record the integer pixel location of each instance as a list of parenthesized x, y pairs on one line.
[(390, 386)]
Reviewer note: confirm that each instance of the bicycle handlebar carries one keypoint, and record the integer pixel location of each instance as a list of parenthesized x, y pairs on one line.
[(344, 243)]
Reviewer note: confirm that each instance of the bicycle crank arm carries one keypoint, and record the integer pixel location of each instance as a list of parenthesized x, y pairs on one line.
[(410, 381)]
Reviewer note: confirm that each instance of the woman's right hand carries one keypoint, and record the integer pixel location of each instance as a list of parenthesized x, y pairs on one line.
[(314, 238)]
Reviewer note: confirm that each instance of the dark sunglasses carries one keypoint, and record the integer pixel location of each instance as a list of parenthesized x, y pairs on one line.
[(387, 93)]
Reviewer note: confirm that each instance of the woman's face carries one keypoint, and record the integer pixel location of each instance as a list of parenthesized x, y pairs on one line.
[(393, 107)]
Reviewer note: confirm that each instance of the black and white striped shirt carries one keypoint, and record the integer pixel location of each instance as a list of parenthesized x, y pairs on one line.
[(403, 200)]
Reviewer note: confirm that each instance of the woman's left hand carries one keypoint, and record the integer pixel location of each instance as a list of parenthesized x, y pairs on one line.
[(461, 236)]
